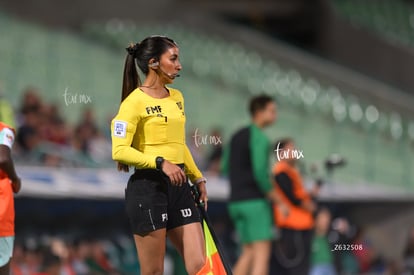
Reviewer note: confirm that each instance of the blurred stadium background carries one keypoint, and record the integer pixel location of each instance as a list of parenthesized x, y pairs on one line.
[(341, 71)]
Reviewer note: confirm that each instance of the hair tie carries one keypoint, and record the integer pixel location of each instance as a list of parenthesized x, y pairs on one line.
[(132, 49)]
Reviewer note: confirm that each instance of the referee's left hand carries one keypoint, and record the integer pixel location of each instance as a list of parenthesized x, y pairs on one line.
[(203, 193)]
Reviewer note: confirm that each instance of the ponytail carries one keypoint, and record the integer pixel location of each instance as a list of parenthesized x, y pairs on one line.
[(131, 79)]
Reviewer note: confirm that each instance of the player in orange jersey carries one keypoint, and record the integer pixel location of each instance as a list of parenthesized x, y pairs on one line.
[(9, 184)]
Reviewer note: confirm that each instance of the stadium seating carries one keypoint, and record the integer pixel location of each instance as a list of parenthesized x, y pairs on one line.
[(218, 78), (391, 18), (55, 62)]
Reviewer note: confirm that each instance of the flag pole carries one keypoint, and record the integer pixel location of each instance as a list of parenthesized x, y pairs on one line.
[(204, 215)]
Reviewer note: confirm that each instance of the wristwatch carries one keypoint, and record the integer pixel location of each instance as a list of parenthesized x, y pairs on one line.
[(158, 162)]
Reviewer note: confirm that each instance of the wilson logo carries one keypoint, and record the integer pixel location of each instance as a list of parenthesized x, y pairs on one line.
[(186, 212)]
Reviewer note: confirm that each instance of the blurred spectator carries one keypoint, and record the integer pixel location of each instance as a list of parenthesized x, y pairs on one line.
[(82, 257), (80, 252), (17, 266), (99, 262), (366, 257), (33, 260), (321, 253), (53, 127), (343, 233), (214, 159), (61, 249), (408, 256), (28, 137), (44, 136), (196, 147), (89, 140), (85, 131), (51, 264), (31, 101), (294, 247), (246, 162), (40, 126), (6, 111)]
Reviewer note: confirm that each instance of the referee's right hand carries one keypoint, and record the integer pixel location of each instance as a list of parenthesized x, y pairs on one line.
[(174, 172)]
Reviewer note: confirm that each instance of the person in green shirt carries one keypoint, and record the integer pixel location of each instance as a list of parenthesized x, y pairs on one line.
[(322, 260), (246, 162)]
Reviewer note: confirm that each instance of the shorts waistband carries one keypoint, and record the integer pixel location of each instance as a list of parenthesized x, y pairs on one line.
[(181, 165), (151, 173)]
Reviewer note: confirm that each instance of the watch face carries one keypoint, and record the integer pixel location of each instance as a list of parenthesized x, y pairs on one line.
[(158, 162)]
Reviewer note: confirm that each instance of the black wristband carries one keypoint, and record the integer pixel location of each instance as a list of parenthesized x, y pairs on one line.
[(158, 162)]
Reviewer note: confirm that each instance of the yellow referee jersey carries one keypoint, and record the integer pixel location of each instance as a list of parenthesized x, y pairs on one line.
[(147, 127)]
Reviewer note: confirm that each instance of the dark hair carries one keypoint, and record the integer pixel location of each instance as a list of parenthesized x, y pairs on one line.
[(140, 54), (283, 142), (259, 103)]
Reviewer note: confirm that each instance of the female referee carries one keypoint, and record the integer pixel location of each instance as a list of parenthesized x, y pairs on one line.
[(148, 133)]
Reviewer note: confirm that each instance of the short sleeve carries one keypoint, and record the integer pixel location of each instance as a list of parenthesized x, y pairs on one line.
[(7, 137), (259, 151)]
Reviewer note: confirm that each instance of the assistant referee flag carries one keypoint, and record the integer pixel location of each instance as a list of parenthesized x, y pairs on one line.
[(215, 263)]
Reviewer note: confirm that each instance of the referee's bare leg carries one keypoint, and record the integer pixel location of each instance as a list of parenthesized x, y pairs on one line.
[(189, 241), (151, 252)]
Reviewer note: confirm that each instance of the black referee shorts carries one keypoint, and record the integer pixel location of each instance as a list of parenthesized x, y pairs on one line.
[(153, 203)]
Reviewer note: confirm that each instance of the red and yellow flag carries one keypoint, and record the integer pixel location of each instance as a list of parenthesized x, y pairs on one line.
[(214, 265)]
